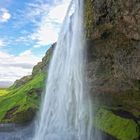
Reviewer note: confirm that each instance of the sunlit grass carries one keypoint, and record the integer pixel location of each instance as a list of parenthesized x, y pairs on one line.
[(3, 92), (24, 97)]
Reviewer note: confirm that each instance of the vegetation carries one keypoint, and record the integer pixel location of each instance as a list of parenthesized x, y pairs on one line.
[(20, 102), (120, 128), (3, 91), (16, 102)]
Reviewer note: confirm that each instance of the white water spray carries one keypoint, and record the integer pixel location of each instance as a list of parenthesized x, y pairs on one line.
[(66, 109)]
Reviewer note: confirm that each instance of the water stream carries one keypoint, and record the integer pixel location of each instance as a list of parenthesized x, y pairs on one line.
[(66, 109)]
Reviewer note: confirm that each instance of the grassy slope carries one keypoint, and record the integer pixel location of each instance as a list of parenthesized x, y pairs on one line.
[(3, 92), (22, 100)]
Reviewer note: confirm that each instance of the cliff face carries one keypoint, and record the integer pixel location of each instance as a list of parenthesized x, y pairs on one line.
[(41, 67), (44, 65), (113, 37), (123, 15), (113, 46)]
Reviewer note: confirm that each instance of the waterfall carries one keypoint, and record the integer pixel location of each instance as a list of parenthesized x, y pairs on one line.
[(66, 109)]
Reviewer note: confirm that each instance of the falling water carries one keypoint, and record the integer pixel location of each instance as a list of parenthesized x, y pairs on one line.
[(65, 113)]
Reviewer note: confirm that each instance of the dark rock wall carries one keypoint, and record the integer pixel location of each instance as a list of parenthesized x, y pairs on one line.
[(113, 38), (113, 49), (123, 15)]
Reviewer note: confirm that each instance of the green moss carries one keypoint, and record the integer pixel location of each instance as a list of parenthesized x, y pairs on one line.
[(89, 22), (120, 128), (25, 97), (24, 116), (126, 100)]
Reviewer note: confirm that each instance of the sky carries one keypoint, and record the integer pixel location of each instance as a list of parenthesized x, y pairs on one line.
[(27, 30)]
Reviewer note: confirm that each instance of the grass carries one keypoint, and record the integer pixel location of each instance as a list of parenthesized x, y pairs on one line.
[(24, 98), (120, 128), (3, 92)]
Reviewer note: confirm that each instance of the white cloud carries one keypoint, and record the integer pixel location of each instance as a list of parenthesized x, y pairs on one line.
[(36, 46), (45, 32), (46, 20), (2, 43), (4, 15), (48, 29), (14, 67), (58, 12)]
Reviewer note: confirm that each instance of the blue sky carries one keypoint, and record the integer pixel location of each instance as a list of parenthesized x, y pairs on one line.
[(27, 29)]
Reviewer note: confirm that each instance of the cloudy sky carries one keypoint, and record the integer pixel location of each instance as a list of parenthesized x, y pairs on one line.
[(27, 29)]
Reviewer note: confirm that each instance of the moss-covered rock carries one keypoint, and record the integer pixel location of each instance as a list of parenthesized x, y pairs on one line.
[(116, 126)]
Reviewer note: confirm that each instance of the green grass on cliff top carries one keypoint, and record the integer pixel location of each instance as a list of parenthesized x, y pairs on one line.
[(22, 98), (120, 128)]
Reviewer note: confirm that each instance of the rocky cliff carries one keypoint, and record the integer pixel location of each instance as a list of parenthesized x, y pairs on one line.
[(41, 67), (113, 46)]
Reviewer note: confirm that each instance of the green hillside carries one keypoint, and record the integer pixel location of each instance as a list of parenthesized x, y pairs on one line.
[(20, 104)]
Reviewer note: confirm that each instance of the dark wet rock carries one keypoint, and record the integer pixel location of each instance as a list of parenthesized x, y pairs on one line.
[(26, 116), (113, 50), (106, 136), (113, 47), (125, 114), (122, 15), (10, 113)]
